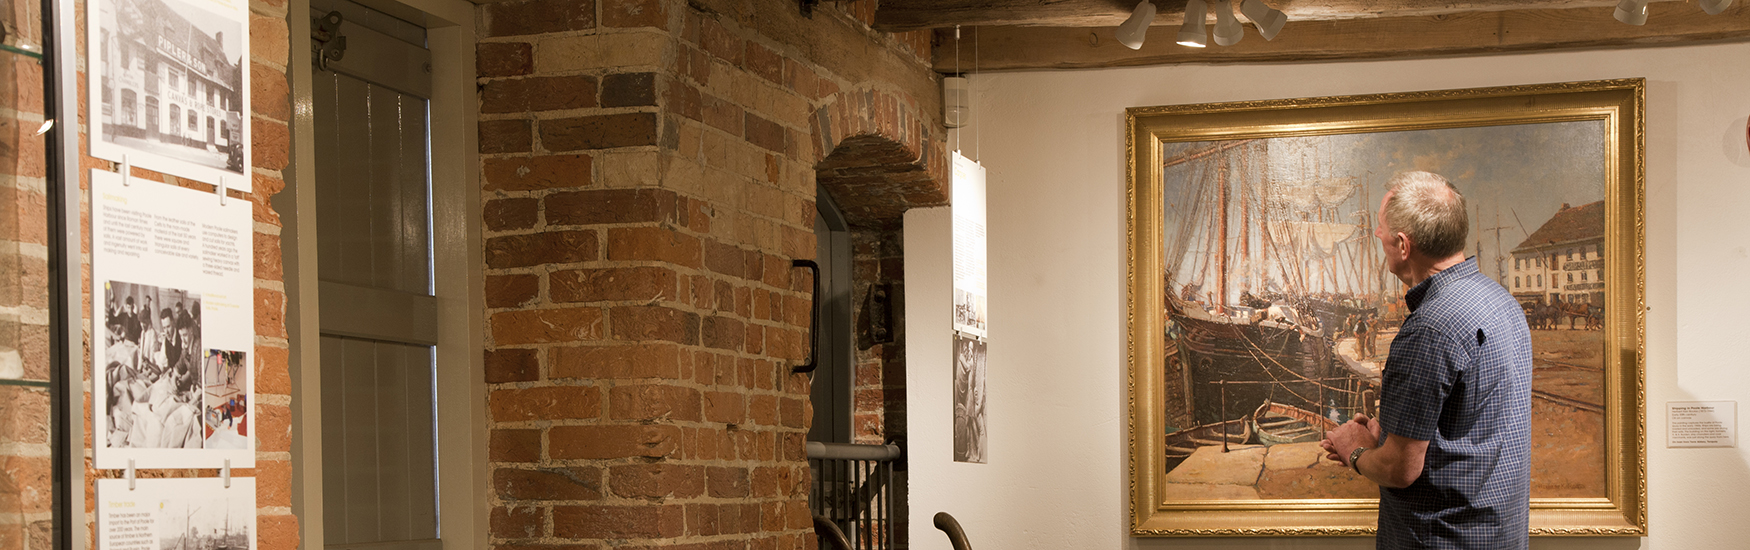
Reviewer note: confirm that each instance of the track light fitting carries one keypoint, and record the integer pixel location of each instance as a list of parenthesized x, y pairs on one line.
[(1191, 33), (1268, 20), (1227, 29), (1135, 29), (1714, 7), (1633, 12)]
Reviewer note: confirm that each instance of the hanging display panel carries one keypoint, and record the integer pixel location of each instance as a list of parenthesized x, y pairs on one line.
[(176, 514), (173, 377), (171, 87)]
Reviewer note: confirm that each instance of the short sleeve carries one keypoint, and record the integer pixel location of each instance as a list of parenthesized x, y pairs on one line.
[(1418, 377)]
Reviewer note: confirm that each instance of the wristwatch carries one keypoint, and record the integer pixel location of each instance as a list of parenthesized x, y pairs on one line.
[(1355, 456)]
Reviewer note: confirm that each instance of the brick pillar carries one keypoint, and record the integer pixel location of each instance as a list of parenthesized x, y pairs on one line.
[(643, 197)]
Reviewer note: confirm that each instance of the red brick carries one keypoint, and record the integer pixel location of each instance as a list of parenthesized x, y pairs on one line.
[(721, 113), (682, 99), (511, 290), (517, 522), (508, 214), (653, 244), (723, 482), (270, 527), (574, 483), (539, 17), (553, 247), (603, 206), (653, 402), (717, 40), (725, 258), (726, 407), (270, 308), (800, 79), (542, 326), (644, 360), (654, 323), (538, 172), (512, 365), (634, 13), (515, 445), (270, 144), (503, 59), (656, 481), (545, 403), (612, 284), (764, 63), (269, 94), (763, 410), (597, 442), (272, 371), (756, 338), (273, 428), (505, 136), (722, 333), (764, 133), (599, 132), (791, 412), (552, 93), (617, 522), (629, 90)]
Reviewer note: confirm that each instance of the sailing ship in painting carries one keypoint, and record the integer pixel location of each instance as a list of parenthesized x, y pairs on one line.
[(1274, 298)]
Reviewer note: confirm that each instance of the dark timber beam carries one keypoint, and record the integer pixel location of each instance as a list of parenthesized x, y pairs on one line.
[(910, 15), (1020, 48)]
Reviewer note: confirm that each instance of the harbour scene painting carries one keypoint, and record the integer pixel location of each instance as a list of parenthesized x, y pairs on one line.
[(1278, 314)]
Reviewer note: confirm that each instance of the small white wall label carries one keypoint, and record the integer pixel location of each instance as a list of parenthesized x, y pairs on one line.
[(1701, 424)]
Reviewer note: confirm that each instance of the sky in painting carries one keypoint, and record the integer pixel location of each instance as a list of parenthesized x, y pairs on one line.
[(1515, 177)]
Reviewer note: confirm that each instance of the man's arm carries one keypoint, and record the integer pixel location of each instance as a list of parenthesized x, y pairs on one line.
[(1396, 464)]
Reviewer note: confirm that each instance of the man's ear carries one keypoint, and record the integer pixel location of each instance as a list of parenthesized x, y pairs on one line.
[(1406, 244)]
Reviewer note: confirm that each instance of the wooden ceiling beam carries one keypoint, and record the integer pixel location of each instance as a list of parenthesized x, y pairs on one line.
[(911, 15), (1022, 48)]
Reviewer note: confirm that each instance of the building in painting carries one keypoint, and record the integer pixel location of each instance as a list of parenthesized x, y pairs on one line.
[(1563, 261), (168, 85)]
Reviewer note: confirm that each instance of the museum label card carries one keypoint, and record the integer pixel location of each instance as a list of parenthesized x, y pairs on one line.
[(971, 302), (176, 513), (173, 326), (1702, 423)]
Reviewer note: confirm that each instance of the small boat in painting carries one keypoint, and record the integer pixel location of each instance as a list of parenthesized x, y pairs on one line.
[(1276, 423)]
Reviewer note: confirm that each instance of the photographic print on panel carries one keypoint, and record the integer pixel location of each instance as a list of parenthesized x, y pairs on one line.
[(152, 367), (172, 86), (1262, 314), (969, 399), (225, 385)]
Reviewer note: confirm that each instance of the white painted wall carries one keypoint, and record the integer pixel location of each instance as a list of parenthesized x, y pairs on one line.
[(1053, 143)]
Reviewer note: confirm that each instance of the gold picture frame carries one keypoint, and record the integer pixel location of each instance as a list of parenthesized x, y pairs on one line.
[(1289, 178)]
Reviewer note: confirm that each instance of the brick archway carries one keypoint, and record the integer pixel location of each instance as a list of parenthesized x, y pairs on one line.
[(877, 157)]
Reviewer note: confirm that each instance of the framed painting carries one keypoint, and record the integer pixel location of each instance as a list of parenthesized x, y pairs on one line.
[(1261, 314)]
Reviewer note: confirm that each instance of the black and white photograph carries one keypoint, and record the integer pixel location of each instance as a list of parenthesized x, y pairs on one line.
[(172, 82), (152, 343), (969, 411), (226, 377), (176, 514)]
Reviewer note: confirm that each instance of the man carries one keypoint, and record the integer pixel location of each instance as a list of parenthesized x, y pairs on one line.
[(1451, 448)]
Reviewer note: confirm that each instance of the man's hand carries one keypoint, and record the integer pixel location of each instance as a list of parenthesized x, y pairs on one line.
[(1360, 431)]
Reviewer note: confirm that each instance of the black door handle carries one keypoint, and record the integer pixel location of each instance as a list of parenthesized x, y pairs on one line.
[(813, 317)]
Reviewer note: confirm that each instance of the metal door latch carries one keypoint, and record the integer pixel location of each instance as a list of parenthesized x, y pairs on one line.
[(326, 42)]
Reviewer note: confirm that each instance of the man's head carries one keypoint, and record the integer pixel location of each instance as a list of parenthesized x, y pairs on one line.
[(1422, 223)]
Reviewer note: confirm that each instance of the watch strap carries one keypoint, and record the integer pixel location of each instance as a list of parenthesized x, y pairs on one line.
[(1355, 458)]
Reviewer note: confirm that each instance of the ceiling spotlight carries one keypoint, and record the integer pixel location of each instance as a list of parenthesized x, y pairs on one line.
[(1270, 20), (1633, 12), (1134, 29), (1714, 7), (1227, 29), (1191, 33)]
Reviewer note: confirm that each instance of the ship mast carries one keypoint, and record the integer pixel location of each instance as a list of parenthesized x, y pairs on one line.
[(1221, 241)]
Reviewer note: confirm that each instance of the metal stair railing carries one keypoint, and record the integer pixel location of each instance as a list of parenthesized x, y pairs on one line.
[(854, 490)]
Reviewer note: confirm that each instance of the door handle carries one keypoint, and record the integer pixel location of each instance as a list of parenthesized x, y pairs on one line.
[(813, 317)]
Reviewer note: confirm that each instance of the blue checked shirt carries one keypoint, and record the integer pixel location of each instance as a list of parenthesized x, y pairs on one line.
[(1459, 377)]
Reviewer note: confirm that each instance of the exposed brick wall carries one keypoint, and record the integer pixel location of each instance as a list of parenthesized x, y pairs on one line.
[(25, 453), (270, 96), (648, 172), (877, 300)]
